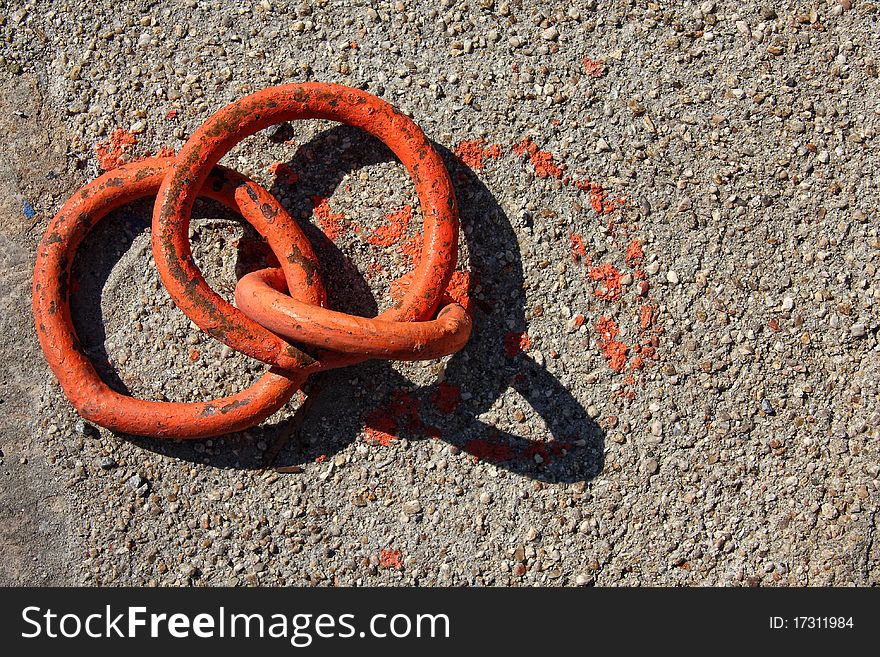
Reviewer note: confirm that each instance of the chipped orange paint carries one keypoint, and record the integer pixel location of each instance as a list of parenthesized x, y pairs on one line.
[(112, 153), (390, 233), (542, 161), (331, 223), (594, 68), (608, 278), (283, 173), (475, 152)]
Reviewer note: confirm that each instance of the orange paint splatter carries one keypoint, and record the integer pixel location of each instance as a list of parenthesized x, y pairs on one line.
[(382, 424), (389, 558), (321, 458), (380, 427), (283, 173), (608, 277), (516, 342), (404, 406), (599, 200), (446, 398), (391, 232), (614, 351), (593, 68), (475, 152), (634, 253), (542, 161), (332, 223), (578, 248), (488, 450), (194, 355), (165, 151), (171, 115), (459, 288), (112, 152)]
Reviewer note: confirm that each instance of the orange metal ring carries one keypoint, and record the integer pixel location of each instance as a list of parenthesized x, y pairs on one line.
[(96, 401), (244, 117), (260, 296)]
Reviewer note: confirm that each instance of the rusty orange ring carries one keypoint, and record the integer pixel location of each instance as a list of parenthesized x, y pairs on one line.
[(260, 296), (93, 399), (228, 126)]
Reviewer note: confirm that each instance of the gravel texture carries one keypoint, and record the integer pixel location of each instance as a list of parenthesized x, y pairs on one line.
[(697, 409)]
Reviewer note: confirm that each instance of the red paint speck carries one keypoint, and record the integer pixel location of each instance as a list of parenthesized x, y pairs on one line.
[(389, 558), (380, 427), (612, 349), (516, 342), (488, 450), (112, 153), (475, 152), (594, 68), (321, 458), (634, 253), (578, 248), (283, 173), (332, 223), (608, 278), (171, 115), (542, 161), (446, 398), (391, 232)]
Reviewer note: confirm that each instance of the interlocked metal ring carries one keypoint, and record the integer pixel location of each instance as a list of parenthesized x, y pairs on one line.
[(94, 399), (406, 331), (311, 326)]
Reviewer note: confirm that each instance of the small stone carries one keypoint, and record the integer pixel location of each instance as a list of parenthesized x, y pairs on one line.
[(787, 303), (532, 534), (412, 508), (107, 463), (651, 466), (656, 428), (137, 127), (550, 34), (583, 579), (138, 484), (707, 7), (857, 330), (602, 146), (618, 438), (767, 407), (84, 429), (672, 277)]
